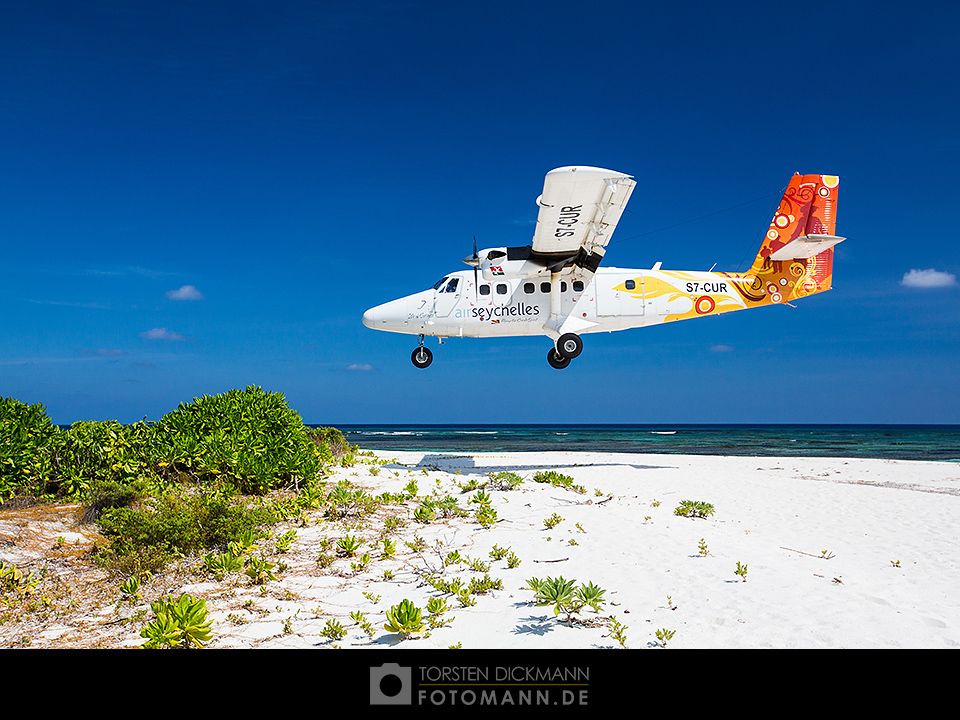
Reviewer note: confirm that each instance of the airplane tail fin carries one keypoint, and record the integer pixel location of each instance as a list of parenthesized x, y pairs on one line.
[(799, 243)]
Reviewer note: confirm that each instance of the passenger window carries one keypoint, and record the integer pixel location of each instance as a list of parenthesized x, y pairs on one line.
[(501, 289), (578, 286), (484, 289), (563, 287), (630, 285), (528, 288), (545, 288)]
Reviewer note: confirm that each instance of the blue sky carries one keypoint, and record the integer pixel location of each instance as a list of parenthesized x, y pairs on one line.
[(206, 195)]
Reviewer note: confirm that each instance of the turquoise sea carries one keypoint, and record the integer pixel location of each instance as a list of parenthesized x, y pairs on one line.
[(905, 442)]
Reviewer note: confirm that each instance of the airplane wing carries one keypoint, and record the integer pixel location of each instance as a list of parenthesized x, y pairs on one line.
[(579, 210)]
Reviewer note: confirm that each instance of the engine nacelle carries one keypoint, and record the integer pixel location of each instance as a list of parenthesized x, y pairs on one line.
[(509, 262)]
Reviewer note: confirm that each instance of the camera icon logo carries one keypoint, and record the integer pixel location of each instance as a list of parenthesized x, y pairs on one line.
[(390, 684)]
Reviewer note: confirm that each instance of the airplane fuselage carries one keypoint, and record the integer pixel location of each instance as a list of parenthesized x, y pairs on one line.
[(613, 299)]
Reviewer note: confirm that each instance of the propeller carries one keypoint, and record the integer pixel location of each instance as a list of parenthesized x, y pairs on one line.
[(474, 260)]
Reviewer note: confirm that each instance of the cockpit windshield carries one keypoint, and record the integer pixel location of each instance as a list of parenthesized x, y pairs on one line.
[(450, 286)]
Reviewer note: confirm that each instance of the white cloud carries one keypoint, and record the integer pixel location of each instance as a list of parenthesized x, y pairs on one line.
[(187, 292), (102, 351), (928, 279), (721, 348), (162, 334), (94, 305), (360, 366)]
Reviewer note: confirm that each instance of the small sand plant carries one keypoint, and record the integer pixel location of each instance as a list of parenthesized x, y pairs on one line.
[(333, 630), (499, 553), (405, 619), (130, 588), (552, 521), (618, 631), (361, 619), (436, 607), (741, 571), (505, 481), (552, 477), (486, 516), (348, 545), (693, 509), (565, 596), (259, 570), (664, 635), (179, 623)]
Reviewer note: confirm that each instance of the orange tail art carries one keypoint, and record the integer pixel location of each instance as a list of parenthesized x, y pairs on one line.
[(796, 257)]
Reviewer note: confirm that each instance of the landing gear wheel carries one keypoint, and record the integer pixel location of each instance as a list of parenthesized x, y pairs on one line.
[(556, 360), (422, 357), (570, 345)]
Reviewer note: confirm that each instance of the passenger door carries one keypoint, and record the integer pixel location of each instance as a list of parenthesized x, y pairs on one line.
[(620, 295)]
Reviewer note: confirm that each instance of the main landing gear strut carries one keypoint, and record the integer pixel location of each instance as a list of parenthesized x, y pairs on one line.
[(422, 357), (567, 348)]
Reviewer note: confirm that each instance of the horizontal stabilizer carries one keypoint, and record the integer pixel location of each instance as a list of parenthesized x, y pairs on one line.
[(806, 246)]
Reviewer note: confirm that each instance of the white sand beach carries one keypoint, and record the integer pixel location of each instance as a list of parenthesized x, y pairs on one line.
[(839, 554)]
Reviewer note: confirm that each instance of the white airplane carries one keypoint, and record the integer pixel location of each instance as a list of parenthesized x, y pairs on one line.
[(556, 287)]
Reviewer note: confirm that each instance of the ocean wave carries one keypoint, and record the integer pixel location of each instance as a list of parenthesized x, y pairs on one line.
[(383, 432), (936, 443)]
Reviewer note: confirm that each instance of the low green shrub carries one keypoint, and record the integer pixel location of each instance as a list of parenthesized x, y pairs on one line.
[(25, 430), (182, 523), (183, 484), (552, 477), (249, 438), (505, 480), (331, 442)]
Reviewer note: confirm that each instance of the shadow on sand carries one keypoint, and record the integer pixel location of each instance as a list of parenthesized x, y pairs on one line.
[(467, 465)]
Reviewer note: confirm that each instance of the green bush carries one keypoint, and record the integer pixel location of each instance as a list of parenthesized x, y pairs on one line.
[(171, 487), (331, 441), (91, 454), (249, 438), (182, 523), (25, 431)]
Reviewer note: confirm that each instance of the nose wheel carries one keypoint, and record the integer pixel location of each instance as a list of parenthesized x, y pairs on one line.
[(422, 357)]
